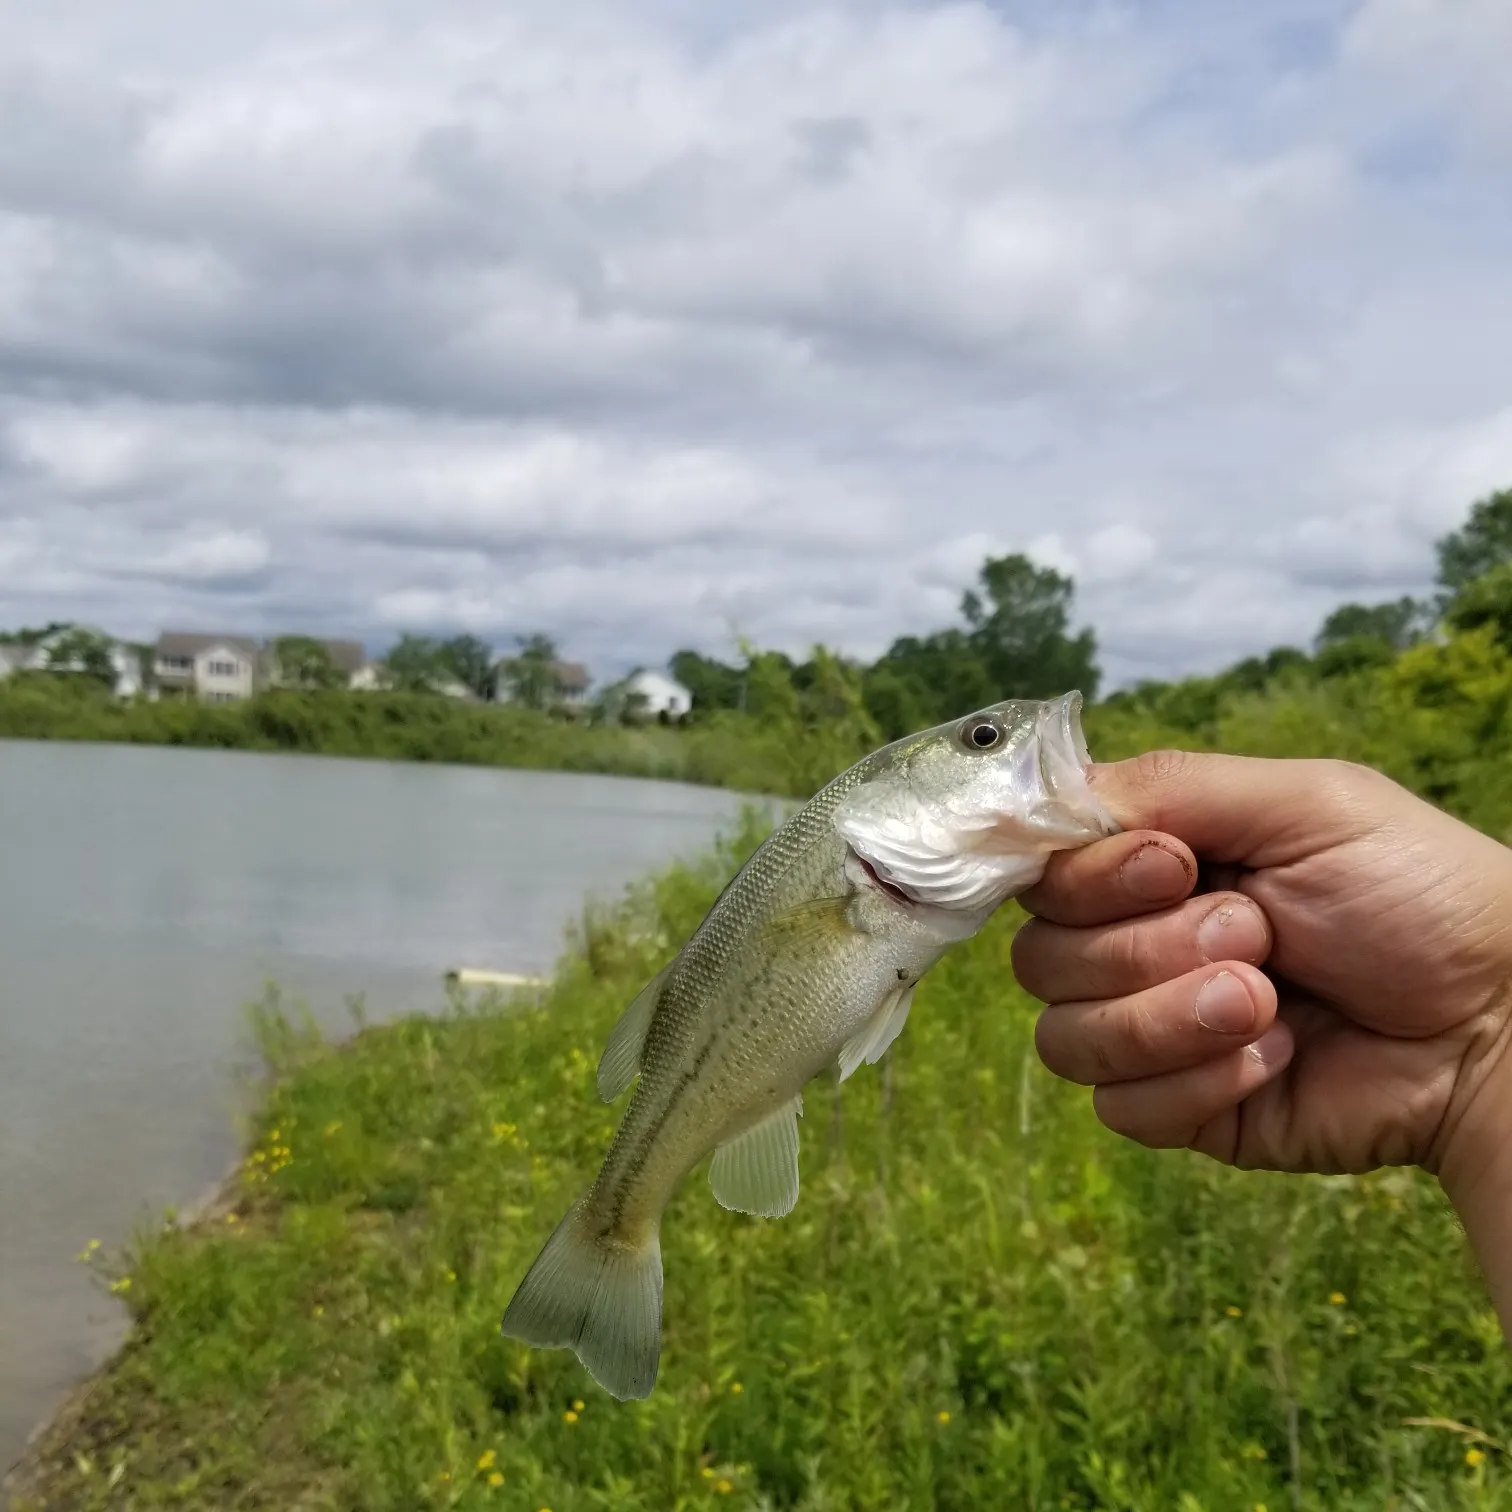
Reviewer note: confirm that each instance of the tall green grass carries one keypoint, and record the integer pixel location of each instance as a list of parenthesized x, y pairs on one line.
[(982, 1300)]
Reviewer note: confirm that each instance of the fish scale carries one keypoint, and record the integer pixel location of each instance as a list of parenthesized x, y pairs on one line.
[(807, 958)]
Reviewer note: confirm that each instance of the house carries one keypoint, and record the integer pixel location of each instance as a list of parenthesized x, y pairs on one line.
[(217, 668), (569, 685), (371, 677), (74, 650), (14, 657), (650, 694), (348, 657)]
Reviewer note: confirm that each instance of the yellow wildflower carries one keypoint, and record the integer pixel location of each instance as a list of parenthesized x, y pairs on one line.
[(736, 1389), (942, 1417), (93, 1244), (577, 1406), (124, 1284), (1337, 1299), (1474, 1457), (451, 1275), (496, 1479), (707, 1473), (723, 1486), (233, 1217), (486, 1459), (569, 1416), (1234, 1312)]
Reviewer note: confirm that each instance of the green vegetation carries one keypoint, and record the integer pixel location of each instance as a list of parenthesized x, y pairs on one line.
[(982, 1300)]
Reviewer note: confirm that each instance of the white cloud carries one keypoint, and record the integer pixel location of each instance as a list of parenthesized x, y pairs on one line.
[(632, 324)]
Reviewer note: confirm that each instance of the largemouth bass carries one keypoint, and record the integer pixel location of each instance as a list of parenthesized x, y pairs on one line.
[(809, 958)]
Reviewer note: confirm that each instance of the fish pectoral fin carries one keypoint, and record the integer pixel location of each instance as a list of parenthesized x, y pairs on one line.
[(757, 1172), (870, 1043), (818, 919), (620, 1062)]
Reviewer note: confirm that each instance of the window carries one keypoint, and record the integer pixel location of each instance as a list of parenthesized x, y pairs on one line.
[(176, 663), (222, 669)]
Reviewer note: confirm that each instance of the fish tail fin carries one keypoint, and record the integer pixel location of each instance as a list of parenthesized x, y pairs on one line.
[(598, 1295)]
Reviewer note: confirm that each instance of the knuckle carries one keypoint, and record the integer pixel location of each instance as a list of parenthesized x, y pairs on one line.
[(1163, 768), (1132, 956), (1141, 1033)]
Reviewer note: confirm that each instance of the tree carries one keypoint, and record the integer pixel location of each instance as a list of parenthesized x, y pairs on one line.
[(471, 662), (530, 676), (1019, 620), (712, 684), (416, 664), (925, 680), (1484, 601), (1396, 624), (77, 649), (1481, 543), (304, 662)]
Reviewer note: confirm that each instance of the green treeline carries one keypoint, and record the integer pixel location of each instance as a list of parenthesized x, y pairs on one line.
[(1421, 690)]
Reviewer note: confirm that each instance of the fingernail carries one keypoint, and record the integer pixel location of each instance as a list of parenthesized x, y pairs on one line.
[(1153, 874), (1224, 1006), (1232, 932), (1274, 1048)]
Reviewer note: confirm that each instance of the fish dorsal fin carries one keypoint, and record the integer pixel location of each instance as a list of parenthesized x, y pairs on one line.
[(621, 1059), (757, 1172), (870, 1043)]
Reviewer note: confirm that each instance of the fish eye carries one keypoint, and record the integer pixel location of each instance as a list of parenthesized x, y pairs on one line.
[(982, 736)]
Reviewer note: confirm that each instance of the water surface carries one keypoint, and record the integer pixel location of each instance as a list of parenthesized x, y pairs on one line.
[(146, 893)]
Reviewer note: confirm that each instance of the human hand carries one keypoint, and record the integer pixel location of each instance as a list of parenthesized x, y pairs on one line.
[(1378, 1032)]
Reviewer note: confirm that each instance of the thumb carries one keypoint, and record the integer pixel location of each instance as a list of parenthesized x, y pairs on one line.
[(1247, 810)]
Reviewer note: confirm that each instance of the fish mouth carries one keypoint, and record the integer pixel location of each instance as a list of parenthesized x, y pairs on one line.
[(1064, 761)]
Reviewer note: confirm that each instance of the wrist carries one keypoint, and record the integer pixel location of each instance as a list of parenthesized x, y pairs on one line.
[(1474, 1166)]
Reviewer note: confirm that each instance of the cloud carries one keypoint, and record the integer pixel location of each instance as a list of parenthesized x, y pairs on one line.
[(637, 325)]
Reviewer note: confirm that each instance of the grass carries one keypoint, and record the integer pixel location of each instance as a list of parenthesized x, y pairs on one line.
[(983, 1299)]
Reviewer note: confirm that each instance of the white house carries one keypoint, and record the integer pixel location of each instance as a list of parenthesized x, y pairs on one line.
[(51, 654), (14, 657), (652, 694), (217, 668)]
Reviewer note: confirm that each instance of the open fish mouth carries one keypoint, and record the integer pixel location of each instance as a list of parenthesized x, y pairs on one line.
[(1064, 761)]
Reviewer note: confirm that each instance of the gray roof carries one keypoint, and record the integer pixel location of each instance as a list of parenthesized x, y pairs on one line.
[(347, 656), (183, 643), (573, 675)]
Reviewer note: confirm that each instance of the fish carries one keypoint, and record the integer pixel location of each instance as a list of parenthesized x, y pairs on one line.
[(808, 960)]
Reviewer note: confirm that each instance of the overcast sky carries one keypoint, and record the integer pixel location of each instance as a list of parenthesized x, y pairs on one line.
[(652, 324)]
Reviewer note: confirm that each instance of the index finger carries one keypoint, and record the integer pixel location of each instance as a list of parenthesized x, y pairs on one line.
[(1136, 872)]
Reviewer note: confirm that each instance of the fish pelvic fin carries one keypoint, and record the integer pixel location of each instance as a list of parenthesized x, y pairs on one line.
[(598, 1295), (757, 1171), (620, 1063), (872, 1041)]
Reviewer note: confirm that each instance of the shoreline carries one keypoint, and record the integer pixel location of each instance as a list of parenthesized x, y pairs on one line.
[(214, 1200)]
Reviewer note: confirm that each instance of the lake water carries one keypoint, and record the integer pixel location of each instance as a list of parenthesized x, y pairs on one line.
[(146, 894)]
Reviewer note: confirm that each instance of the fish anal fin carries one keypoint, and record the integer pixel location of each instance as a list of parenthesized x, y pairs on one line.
[(621, 1059), (757, 1171), (871, 1042)]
